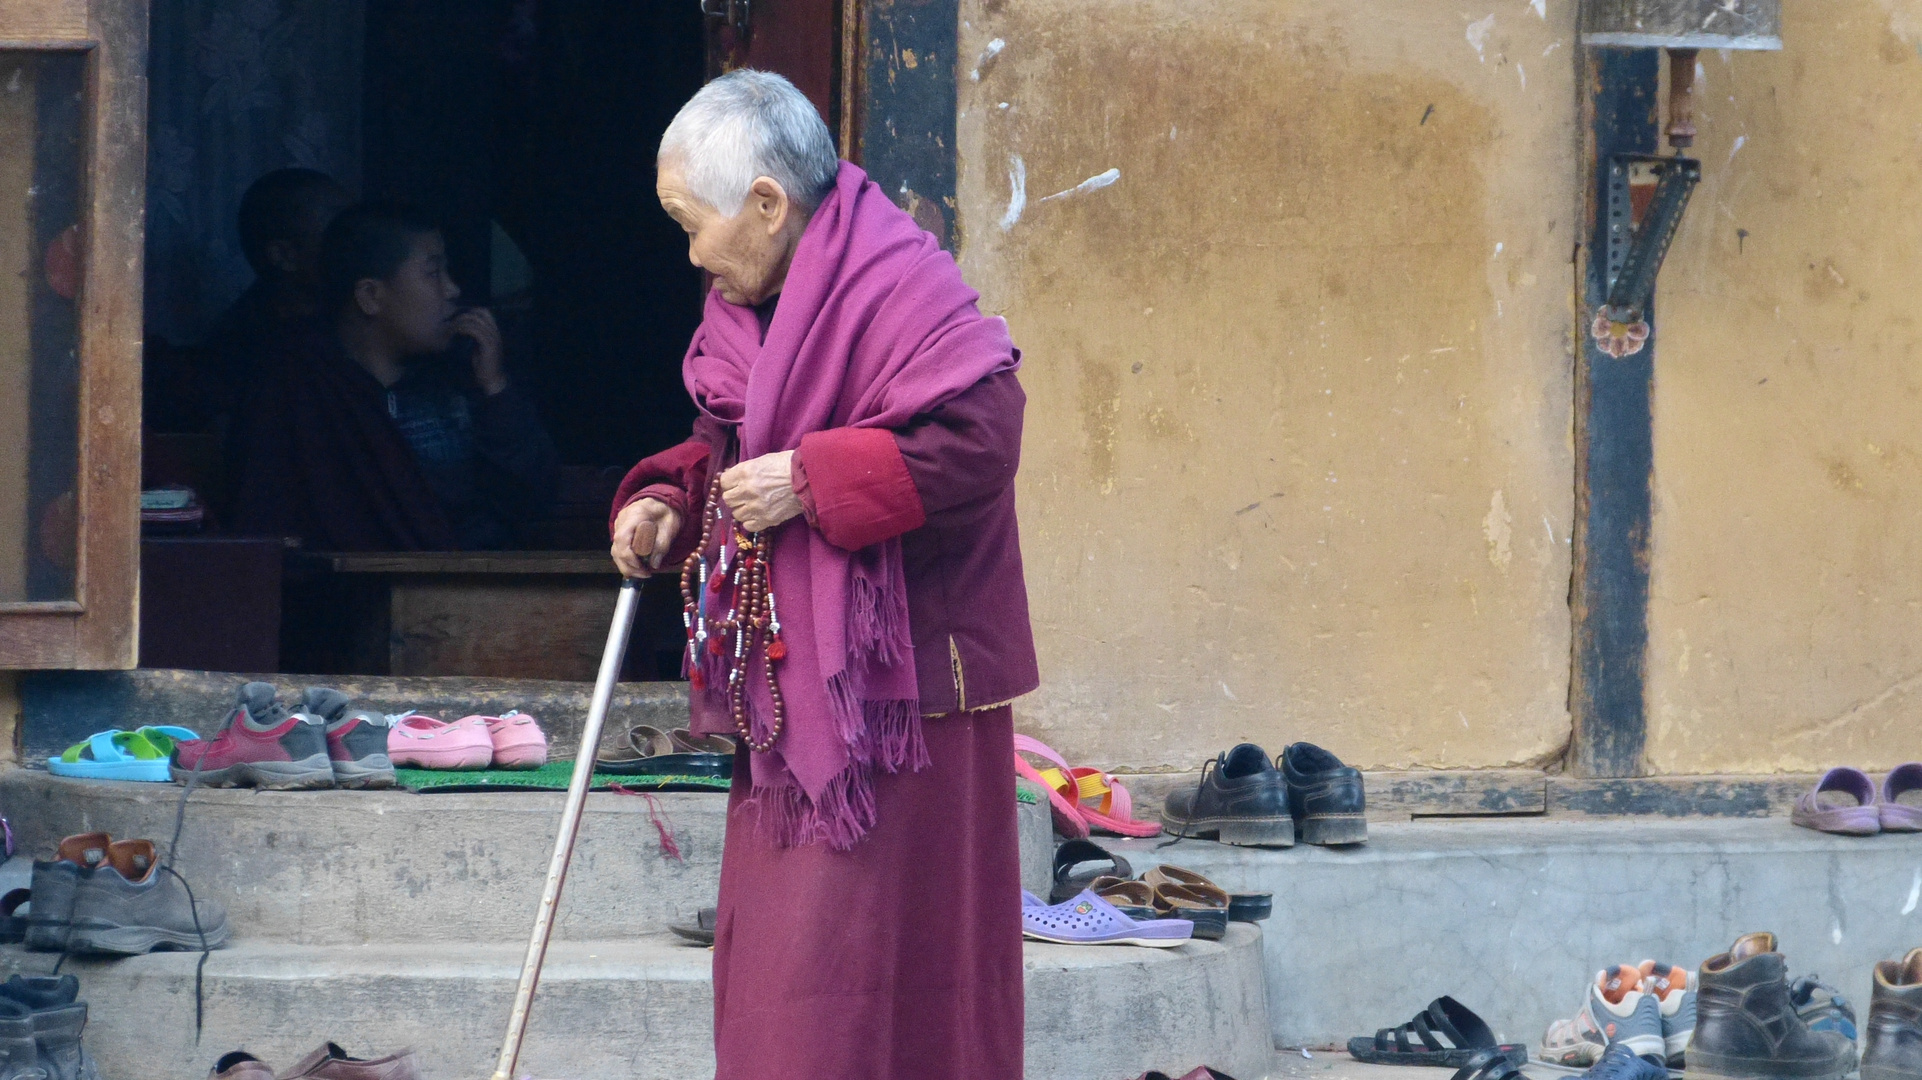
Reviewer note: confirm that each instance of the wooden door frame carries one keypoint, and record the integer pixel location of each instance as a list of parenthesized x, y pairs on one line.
[(99, 627)]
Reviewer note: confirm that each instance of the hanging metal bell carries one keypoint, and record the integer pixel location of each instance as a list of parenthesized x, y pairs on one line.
[(1683, 24)]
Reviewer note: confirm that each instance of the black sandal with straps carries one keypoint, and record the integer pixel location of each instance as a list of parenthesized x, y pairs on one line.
[(1420, 1041), (1078, 862), (1494, 1063)]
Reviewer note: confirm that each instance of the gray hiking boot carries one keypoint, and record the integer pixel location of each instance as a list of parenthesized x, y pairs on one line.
[(129, 907), (56, 1038), (53, 885), (1746, 1027), (56, 1020), (19, 1055), (356, 739)]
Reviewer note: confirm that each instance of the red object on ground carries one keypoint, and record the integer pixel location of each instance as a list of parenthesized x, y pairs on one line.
[(897, 960), (234, 746)]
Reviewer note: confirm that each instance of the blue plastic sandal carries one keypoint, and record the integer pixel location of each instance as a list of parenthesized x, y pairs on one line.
[(123, 755)]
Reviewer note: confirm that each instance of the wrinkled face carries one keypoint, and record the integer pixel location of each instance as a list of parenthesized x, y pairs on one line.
[(748, 254), (415, 306)]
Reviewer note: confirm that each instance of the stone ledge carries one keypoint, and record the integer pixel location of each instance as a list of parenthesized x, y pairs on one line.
[(1514, 915), (345, 867), (638, 1009)]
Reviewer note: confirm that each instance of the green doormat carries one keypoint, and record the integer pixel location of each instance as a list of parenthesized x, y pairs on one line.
[(552, 776)]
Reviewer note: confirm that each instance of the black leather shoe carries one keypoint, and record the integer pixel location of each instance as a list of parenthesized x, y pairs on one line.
[(1324, 796), (1892, 1045), (1240, 799), (1746, 1027)]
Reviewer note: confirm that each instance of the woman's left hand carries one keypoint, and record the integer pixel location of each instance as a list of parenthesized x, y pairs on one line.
[(760, 492)]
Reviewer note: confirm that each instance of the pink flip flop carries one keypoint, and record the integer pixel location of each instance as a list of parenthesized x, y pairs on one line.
[(1059, 786), (518, 741), (422, 742), (1096, 799)]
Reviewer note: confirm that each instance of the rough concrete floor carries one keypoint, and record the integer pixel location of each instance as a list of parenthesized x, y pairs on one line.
[(1327, 1065)]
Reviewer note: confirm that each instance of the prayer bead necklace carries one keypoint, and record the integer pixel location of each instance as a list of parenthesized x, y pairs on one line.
[(747, 588)]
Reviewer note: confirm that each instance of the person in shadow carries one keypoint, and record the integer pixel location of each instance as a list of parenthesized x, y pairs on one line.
[(282, 217), (389, 423)]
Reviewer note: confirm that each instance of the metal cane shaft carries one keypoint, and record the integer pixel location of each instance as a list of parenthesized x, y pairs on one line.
[(570, 826)]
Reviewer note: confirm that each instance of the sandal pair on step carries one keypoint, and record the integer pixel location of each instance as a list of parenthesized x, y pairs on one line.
[(1081, 798), (1163, 892)]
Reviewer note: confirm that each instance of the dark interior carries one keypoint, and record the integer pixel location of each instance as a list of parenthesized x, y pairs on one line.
[(525, 123), (483, 113)]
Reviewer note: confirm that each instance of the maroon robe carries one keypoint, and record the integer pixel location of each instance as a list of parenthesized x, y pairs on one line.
[(899, 959)]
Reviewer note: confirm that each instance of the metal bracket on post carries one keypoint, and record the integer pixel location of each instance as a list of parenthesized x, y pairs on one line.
[(1636, 248), (735, 12), (1645, 198)]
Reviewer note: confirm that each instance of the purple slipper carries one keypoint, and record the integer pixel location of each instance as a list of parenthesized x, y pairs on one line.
[(1087, 919), (1899, 816), (1843, 802)]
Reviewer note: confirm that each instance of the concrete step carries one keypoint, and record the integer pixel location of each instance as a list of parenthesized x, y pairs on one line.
[(637, 1009), (349, 867), (60, 708), (1513, 916)]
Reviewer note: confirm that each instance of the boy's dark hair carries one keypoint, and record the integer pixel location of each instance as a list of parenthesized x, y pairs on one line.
[(271, 208), (370, 240)]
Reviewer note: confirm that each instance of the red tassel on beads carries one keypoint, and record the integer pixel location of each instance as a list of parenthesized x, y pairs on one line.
[(697, 680), (777, 649)]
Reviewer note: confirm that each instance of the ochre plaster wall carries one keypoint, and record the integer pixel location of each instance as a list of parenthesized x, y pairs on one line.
[(1788, 465), (1298, 459)]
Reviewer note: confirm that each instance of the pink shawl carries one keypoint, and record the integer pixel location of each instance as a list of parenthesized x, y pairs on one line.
[(874, 326)]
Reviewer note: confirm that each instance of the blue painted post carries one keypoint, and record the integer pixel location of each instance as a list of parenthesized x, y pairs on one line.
[(1614, 455)]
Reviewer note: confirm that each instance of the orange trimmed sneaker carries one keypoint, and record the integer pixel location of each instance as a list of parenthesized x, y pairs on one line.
[(1617, 1010), (1674, 987)]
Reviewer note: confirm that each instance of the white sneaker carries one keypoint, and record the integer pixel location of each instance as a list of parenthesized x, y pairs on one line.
[(1616, 1010)]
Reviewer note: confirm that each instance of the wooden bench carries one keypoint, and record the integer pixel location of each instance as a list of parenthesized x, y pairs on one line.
[(506, 614)]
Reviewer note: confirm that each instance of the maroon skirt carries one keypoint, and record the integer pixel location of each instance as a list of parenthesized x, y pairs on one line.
[(899, 959)]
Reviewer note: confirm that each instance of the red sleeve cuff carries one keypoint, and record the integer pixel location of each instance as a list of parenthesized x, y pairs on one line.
[(855, 486), (680, 470)]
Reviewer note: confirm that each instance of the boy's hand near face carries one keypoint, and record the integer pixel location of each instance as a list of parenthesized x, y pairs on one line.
[(489, 367)]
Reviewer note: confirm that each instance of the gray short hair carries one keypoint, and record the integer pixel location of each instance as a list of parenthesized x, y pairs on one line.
[(749, 124)]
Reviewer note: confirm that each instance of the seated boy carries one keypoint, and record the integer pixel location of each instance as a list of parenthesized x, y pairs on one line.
[(371, 430)]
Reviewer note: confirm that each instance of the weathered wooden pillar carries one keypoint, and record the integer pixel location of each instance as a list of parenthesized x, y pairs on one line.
[(1614, 451)]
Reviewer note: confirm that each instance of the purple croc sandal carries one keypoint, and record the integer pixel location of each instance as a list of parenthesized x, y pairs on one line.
[(1899, 816), (1087, 919), (1843, 802)]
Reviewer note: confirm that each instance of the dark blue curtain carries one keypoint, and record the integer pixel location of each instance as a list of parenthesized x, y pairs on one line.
[(236, 89)]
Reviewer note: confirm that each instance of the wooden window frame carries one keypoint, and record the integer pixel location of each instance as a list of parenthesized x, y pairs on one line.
[(99, 628)]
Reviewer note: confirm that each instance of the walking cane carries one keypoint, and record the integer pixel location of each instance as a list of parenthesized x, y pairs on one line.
[(570, 827)]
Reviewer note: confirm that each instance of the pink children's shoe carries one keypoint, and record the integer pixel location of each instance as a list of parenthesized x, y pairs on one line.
[(422, 742), (518, 740)]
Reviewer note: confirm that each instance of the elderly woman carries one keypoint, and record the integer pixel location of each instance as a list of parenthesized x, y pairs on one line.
[(843, 524)]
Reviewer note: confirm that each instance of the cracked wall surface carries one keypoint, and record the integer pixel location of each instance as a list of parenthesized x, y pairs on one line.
[(1293, 285), (1788, 467)]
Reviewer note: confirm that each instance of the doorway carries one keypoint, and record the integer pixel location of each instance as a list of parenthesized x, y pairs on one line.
[(527, 129)]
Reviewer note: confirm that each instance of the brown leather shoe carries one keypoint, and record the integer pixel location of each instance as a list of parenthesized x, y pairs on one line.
[(330, 1062), (240, 1065), (1892, 1042)]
